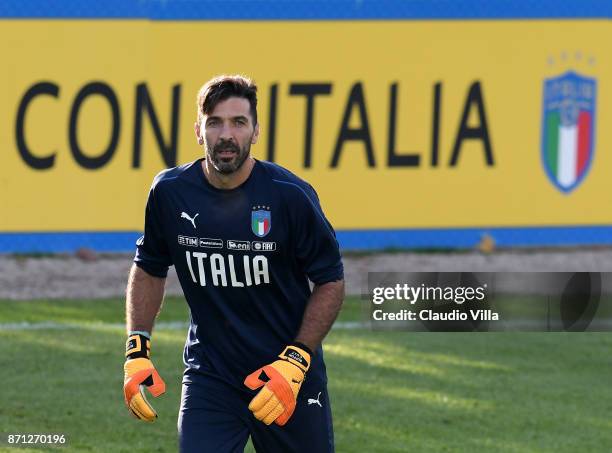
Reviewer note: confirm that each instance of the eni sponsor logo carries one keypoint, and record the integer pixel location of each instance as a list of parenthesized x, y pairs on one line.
[(238, 245)]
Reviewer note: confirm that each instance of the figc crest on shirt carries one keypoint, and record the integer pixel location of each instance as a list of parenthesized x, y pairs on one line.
[(261, 220)]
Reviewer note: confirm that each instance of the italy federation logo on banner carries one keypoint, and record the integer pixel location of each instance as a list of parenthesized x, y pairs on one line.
[(568, 128), (261, 220)]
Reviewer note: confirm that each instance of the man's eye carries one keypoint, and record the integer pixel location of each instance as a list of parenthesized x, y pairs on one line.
[(213, 123), (240, 123)]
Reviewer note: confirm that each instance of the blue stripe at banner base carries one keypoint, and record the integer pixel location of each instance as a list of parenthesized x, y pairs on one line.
[(304, 9), (446, 238)]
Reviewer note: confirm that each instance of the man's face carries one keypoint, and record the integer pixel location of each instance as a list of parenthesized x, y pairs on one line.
[(228, 132)]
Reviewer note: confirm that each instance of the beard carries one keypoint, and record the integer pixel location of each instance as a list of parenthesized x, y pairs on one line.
[(230, 164)]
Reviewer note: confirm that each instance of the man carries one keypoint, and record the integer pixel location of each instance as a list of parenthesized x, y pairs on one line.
[(245, 236)]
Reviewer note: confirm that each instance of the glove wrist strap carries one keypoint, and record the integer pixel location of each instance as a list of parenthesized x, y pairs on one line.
[(297, 356), (303, 347), (137, 346)]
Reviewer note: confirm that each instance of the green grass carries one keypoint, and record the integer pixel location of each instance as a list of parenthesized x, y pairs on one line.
[(391, 391), (82, 311)]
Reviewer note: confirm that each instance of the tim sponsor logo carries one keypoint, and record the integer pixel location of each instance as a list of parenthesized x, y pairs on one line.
[(263, 246), (238, 245), (188, 240), (209, 243)]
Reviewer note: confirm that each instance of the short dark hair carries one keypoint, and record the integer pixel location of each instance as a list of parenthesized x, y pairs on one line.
[(224, 87)]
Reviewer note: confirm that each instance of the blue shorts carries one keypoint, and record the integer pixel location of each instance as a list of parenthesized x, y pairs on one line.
[(214, 418)]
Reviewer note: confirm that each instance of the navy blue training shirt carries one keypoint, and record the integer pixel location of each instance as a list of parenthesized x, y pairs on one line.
[(243, 257)]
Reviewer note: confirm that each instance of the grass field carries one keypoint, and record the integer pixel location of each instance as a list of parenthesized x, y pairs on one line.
[(391, 391)]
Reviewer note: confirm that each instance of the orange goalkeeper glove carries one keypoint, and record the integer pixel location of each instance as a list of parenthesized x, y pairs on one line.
[(139, 373), (281, 382)]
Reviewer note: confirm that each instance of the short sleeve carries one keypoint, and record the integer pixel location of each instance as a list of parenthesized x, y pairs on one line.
[(316, 247), (152, 254)]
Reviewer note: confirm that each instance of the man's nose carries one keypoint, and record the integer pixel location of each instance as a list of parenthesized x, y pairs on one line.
[(226, 132)]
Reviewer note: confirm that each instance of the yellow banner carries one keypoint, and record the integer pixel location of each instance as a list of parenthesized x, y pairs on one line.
[(409, 124)]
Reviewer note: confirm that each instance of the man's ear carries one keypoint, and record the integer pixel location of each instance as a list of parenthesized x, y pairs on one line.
[(255, 135), (199, 138)]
